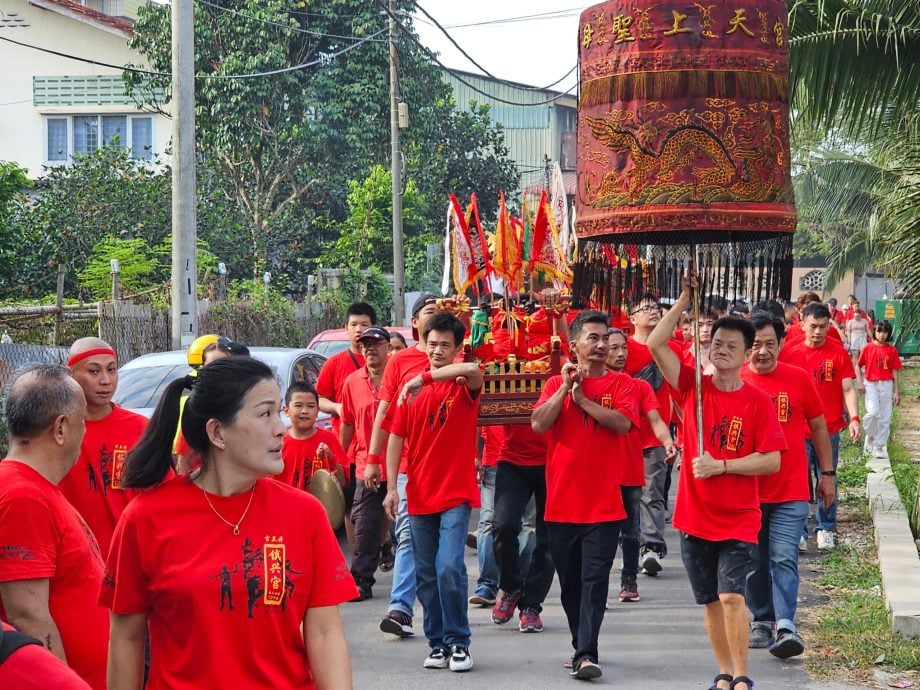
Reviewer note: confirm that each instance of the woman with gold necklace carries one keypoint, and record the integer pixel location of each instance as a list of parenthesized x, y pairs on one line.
[(237, 576)]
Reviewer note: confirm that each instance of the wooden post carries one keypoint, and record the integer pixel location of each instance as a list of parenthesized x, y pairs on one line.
[(59, 303), (698, 368)]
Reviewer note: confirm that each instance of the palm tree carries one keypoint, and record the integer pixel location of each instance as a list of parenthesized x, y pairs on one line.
[(855, 79)]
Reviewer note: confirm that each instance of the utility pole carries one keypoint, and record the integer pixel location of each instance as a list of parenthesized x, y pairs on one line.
[(399, 265), (184, 216)]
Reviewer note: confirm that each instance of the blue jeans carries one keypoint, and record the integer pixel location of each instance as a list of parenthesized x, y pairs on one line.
[(487, 584), (440, 574), (629, 532), (826, 517), (773, 587), (402, 594)]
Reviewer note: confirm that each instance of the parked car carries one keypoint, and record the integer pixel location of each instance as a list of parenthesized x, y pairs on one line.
[(142, 381), (334, 340)]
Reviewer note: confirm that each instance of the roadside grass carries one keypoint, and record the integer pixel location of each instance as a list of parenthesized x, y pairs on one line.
[(850, 636)]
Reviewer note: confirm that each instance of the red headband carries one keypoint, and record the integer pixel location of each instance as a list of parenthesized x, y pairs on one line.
[(89, 353)]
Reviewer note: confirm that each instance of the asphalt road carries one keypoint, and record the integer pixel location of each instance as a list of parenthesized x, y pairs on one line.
[(658, 641)]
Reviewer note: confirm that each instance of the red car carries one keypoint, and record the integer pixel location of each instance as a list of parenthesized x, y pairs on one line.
[(327, 343)]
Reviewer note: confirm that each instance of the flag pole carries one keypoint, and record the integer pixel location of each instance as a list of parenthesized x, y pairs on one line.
[(698, 367)]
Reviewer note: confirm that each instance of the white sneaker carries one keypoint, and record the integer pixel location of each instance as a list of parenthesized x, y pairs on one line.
[(460, 659), (803, 545), (651, 563), (825, 540), (880, 452), (437, 658)]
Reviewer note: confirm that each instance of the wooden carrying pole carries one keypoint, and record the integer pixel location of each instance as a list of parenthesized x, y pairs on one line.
[(698, 366)]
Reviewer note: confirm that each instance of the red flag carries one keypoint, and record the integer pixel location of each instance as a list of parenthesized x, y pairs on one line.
[(546, 254), (461, 253), (506, 261), (477, 239)]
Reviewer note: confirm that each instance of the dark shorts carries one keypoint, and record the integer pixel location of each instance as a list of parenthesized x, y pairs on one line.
[(716, 567), (349, 489)]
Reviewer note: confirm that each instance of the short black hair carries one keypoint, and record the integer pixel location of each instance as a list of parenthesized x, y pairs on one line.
[(708, 313), (445, 323), (299, 387), (361, 309), (885, 327), (816, 310), (590, 316), (33, 405), (638, 299), (762, 319), (771, 306), (399, 336), (737, 324)]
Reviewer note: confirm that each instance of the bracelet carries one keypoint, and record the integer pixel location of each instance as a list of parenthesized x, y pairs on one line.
[(373, 458), (828, 473), (426, 378), (855, 418), (725, 467)]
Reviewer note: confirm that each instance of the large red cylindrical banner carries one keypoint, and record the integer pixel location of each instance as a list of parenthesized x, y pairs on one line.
[(683, 122)]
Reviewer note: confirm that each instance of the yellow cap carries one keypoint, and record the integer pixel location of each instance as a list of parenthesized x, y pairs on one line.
[(197, 348)]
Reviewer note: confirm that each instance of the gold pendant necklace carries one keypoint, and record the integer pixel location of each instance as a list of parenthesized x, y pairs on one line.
[(236, 527)]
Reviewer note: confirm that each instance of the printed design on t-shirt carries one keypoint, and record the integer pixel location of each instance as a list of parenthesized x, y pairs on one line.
[(91, 538), (16, 552), (728, 434), (605, 401), (266, 572), (784, 408), (886, 363), (111, 469), (437, 419), (825, 371)]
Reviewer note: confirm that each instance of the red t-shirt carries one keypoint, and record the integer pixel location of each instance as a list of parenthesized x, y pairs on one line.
[(33, 667), (439, 430), (175, 560), (828, 366), (300, 461), (42, 536), (92, 484), (640, 364), (735, 424), (332, 377), (492, 439), (401, 367), (881, 360), (584, 460), (634, 466), (795, 401), (521, 445), (359, 407)]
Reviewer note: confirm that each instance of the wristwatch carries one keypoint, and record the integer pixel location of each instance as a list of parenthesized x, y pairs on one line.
[(828, 473)]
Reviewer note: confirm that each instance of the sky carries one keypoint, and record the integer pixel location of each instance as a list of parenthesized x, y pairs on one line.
[(533, 50)]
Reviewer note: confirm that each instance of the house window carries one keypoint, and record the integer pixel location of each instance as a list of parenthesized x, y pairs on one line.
[(67, 136)]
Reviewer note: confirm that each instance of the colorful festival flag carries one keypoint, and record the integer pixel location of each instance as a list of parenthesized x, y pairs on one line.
[(547, 254), (560, 205), (506, 261), (477, 242), (457, 241)]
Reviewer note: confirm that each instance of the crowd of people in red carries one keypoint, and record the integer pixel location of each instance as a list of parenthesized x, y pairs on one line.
[(126, 544)]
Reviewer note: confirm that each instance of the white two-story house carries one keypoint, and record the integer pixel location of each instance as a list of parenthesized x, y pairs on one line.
[(52, 106)]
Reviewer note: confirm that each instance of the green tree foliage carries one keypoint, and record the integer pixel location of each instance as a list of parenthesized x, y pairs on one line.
[(136, 267), (13, 182), (855, 73)]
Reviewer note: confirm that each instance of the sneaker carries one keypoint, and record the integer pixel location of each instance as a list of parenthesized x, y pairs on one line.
[(437, 658), (651, 562), (803, 545), (825, 539), (482, 598), (460, 659), (530, 621), (788, 644), (387, 557), (760, 637), (504, 607), (399, 624), (587, 670), (364, 592), (629, 589), (880, 452)]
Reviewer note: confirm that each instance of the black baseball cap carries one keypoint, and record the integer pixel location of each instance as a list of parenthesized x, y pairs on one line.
[(374, 333), (423, 300)]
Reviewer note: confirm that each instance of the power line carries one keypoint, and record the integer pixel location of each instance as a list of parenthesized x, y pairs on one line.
[(295, 29), (456, 76), (483, 69), (555, 14), (136, 70)]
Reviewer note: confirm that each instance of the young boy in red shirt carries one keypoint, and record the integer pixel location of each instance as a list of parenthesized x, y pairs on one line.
[(881, 363), (718, 508), (306, 448), (586, 412), (435, 418)]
